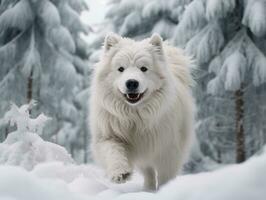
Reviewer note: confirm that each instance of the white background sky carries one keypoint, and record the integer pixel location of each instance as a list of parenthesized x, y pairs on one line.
[(96, 12), (95, 15)]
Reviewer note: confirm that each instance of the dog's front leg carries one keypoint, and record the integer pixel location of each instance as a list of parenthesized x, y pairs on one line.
[(113, 154)]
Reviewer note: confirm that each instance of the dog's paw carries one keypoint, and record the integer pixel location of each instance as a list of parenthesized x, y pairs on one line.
[(120, 176)]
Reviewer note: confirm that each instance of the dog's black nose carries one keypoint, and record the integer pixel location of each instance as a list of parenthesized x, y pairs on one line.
[(132, 84)]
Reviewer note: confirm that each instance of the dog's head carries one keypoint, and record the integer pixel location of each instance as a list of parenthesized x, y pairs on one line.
[(136, 69)]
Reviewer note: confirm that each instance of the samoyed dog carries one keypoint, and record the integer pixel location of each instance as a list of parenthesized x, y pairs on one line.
[(141, 109)]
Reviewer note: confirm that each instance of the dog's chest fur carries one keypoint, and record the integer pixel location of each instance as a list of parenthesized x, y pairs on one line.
[(143, 138)]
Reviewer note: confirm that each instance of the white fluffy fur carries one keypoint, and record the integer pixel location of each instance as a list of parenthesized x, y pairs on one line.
[(154, 135)]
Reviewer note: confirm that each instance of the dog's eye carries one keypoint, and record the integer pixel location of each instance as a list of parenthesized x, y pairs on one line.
[(121, 69), (143, 69)]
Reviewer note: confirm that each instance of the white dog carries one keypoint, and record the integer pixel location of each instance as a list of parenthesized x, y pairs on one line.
[(141, 109)]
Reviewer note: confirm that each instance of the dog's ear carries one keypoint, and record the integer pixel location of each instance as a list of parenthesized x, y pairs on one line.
[(157, 41), (111, 39)]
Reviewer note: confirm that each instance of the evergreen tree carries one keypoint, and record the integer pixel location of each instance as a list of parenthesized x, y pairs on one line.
[(43, 57), (141, 18), (227, 38)]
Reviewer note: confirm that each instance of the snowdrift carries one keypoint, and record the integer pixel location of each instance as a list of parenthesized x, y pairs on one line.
[(55, 180), (28, 149)]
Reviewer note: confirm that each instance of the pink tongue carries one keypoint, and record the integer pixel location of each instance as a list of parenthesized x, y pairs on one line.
[(133, 96)]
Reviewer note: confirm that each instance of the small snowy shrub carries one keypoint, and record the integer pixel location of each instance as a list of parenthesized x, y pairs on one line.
[(24, 147)]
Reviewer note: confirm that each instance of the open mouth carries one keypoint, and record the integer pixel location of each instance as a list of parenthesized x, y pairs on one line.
[(133, 97)]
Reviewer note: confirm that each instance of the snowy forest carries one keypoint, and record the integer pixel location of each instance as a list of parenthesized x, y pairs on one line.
[(47, 55)]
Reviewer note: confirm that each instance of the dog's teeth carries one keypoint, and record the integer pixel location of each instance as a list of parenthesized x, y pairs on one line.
[(134, 97)]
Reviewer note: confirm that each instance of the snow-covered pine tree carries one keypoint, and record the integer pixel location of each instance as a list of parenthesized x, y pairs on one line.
[(138, 19), (42, 57), (227, 38)]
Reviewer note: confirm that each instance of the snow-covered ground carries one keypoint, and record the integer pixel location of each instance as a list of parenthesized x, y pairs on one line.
[(53, 175), (55, 180)]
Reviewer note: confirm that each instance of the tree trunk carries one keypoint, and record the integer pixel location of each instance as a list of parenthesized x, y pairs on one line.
[(85, 120), (239, 128), (29, 87), (85, 147), (6, 131), (219, 156)]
